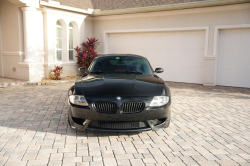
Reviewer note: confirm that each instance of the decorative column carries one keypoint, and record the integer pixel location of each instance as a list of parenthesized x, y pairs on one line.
[(30, 40)]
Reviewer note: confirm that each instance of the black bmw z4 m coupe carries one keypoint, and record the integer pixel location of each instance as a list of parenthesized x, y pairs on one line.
[(119, 93)]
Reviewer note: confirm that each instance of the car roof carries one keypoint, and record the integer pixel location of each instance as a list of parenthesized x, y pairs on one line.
[(131, 55)]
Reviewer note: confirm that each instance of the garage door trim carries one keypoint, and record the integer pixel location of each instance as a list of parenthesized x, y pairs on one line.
[(216, 44), (106, 34)]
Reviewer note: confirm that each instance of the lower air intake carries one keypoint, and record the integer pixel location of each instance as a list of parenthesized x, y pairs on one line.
[(117, 125)]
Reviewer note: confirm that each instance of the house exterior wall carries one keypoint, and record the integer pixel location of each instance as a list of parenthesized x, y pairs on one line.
[(10, 26), (51, 16), (35, 31), (13, 51), (213, 16), (11, 41)]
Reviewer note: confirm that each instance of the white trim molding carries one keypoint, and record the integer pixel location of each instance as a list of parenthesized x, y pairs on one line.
[(63, 12), (20, 54), (216, 43), (12, 53), (23, 64), (89, 11), (209, 57), (47, 64), (106, 36)]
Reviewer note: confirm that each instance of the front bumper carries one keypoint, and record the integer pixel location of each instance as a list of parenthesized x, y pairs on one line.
[(81, 118)]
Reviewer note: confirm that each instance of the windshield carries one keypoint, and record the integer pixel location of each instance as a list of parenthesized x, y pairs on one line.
[(120, 64)]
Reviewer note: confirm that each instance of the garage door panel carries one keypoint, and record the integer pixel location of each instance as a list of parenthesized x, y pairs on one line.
[(118, 40), (134, 51), (157, 56), (243, 77), (158, 41), (234, 58), (142, 52), (227, 76), (196, 57), (134, 40), (171, 57), (179, 53), (118, 50), (171, 40), (145, 52), (243, 59), (245, 38), (228, 57), (184, 57), (169, 73), (146, 40), (198, 40), (185, 40), (229, 38), (190, 75), (173, 73)]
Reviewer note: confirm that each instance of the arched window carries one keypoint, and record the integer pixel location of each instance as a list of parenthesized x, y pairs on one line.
[(58, 41), (71, 39)]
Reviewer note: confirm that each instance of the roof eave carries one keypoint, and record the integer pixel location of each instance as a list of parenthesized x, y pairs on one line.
[(169, 7), (78, 10), (179, 6)]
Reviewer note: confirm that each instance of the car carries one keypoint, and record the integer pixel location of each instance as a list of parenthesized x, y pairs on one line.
[(119, 93)]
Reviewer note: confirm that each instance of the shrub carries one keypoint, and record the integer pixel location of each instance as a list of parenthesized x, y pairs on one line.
[(87, 54), (56, 73)]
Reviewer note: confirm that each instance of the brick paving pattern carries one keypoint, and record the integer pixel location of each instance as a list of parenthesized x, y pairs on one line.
[(209, 126), (6, 82)]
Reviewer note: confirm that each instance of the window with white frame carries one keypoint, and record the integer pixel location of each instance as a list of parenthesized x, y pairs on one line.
[(71, 36), (58, 41)]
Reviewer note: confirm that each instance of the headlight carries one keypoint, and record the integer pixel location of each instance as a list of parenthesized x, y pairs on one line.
[(159, 101), (78, 100)]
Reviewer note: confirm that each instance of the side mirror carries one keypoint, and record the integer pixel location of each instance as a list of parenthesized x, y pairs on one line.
[(159, 70), (83, 69)]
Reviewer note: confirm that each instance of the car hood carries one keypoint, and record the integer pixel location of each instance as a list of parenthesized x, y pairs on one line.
[(112, 85)]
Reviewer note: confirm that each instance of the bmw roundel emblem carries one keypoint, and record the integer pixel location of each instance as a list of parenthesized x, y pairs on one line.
[(118, 98)]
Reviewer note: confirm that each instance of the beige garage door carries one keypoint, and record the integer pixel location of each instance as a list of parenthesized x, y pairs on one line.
[(179, 53), (234, 58)]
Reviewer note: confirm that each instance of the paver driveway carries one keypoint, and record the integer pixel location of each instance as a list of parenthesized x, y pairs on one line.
[(210, 126)]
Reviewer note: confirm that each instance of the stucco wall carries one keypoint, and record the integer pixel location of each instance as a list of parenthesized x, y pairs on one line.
[(88, 28), (10, 22), (11, 40), (11, 61)]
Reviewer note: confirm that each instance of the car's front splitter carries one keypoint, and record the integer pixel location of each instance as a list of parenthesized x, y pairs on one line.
[(86, 122)]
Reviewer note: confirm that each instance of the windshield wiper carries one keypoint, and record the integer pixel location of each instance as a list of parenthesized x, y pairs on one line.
[(97, 71), (128, 71)]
